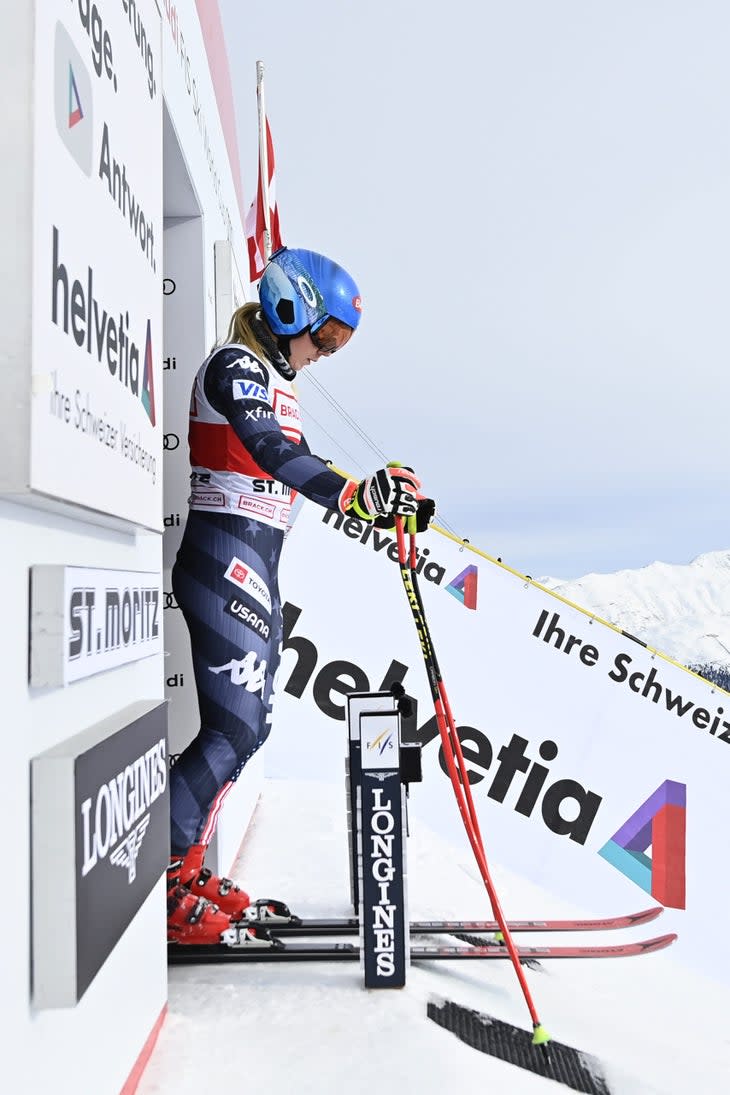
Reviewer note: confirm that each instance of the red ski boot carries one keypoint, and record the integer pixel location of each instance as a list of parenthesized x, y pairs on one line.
[(189, 871), (192, 919)]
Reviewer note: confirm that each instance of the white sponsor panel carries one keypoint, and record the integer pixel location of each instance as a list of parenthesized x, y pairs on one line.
[(256, 507), (212, 498), (96, 415), (86, 620), (379, 740), (185, 349), (598, 767), (286, 409), (246, 578)]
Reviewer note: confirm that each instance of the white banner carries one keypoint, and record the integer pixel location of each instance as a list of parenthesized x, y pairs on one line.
[(599, 769), (85, 620), (97, 316)]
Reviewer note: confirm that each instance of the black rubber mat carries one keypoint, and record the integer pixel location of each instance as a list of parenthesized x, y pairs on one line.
[(568, 1066)]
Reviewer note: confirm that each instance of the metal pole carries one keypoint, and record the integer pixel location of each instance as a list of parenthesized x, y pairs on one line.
[(263, 157)]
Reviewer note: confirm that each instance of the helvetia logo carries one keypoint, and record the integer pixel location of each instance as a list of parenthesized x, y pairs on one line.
[(464, 587), (78, 309), (660, 824), (73, 105), (148, 378), (75, 110), (355, 529)]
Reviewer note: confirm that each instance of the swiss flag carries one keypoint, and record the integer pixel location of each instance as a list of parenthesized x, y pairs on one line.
[(255, 223)]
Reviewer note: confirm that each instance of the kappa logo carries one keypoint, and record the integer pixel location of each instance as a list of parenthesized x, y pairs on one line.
[(249, 364), (73, 104), (125, 855), (246, 578), (244, 672), (660, 824), (249, 389)]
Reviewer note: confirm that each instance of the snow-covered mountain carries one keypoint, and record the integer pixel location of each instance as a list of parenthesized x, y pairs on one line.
[(682, 611)]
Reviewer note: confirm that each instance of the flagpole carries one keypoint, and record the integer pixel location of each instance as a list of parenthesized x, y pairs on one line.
[(263, 157)]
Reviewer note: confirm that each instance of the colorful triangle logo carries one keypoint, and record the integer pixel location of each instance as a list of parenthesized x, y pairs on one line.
[(75, 110), (148, 379), (659, 824), (464, 587)]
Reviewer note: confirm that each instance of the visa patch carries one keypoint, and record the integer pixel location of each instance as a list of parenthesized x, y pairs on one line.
[(249, 389)]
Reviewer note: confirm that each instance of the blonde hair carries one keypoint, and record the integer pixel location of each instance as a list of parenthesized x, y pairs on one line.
[(241, 329)]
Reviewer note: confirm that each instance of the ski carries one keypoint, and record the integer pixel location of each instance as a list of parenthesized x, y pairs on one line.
[(351, 925), (278, 951)]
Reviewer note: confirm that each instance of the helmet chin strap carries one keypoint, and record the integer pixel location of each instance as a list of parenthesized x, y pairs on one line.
[(276, 346), (284, 344)]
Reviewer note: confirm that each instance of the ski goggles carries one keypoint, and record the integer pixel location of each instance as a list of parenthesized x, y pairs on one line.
[(330, 334)]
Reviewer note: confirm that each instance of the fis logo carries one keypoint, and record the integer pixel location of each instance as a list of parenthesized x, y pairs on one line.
[(382, 742), (72, 100), (464, 587), (660, 824)]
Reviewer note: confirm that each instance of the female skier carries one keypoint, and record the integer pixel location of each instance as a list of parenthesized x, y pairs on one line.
[(249, 460)]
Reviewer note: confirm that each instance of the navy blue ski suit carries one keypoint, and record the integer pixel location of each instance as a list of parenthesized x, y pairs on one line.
[(248, 460)]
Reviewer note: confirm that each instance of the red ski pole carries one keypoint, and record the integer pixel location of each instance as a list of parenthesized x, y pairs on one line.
[(454, 758)]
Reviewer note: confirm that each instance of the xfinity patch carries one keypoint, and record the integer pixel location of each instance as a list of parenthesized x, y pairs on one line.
[(249, 389)]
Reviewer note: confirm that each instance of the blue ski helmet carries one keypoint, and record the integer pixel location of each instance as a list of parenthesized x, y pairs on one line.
[(301, 289)]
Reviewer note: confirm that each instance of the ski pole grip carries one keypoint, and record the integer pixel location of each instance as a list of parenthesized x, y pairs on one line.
[(411, 524)]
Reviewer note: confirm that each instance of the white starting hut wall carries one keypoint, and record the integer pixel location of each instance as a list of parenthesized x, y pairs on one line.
[(203, 239), (121, 225)]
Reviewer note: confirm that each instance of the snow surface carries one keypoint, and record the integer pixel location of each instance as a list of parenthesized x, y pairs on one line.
[(680, 610), (655, 1026)]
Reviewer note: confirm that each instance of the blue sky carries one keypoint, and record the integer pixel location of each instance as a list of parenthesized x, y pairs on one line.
[(534, 199)]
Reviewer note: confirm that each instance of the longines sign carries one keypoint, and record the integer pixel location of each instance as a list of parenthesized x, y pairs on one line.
[(100, 836), (84, 620)]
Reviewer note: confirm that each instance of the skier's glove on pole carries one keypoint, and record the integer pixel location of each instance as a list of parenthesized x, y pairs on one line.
[(425, 513), (390, 492), (421, 518)]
